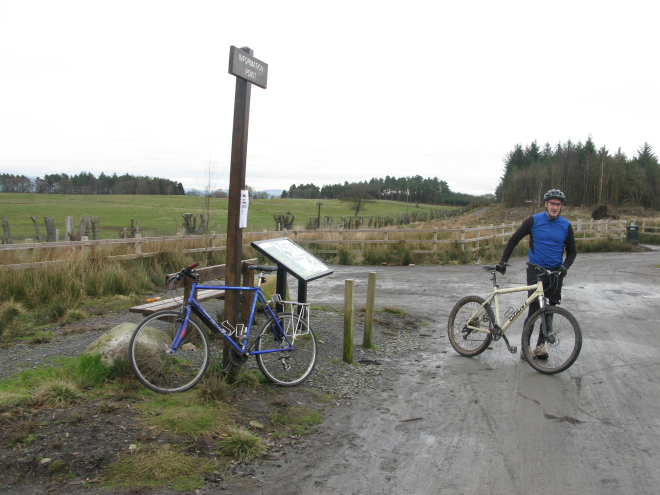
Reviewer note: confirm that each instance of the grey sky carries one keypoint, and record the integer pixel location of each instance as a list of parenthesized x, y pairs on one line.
[(355, 89)]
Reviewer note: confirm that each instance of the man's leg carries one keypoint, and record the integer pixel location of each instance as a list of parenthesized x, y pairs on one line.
[(534, 306)]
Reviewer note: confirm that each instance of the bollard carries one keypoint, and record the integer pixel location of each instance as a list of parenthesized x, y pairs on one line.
[(348, 320), (369, 316)]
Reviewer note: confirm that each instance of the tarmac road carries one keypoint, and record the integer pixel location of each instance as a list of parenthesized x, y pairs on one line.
[(446, 424)]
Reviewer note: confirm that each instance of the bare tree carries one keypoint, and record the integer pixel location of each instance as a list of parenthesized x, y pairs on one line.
[(357, 198)]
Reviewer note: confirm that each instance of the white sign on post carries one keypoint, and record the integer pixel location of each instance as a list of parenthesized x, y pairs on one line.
[(245, 202)]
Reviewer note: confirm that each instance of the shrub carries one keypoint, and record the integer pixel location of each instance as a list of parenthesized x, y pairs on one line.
[(59, 392), (242, 444)]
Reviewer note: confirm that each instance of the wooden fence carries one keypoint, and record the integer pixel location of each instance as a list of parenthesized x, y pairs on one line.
[(646, 228), (432, 240)]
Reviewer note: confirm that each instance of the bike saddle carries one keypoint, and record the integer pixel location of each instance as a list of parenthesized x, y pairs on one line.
[(264, 269)]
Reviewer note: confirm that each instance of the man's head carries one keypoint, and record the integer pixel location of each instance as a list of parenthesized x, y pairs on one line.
[(554, 199)]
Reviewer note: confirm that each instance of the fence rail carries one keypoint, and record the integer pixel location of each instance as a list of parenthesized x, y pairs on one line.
[(467, 237), (644, 229)]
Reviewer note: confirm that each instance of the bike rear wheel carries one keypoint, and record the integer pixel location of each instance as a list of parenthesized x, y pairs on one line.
[(470, 342), (563, 345), (156, 366), (286, 368)]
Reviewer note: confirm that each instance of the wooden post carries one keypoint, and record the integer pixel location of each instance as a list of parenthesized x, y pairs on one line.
[(70, 232), (85, 247), (463, 237), (50, 229), (435, 239), (138, 244), (36, 226), (29, 252), (349, 288), (237, 172), (7, 234), (369, 316), (57, 235), (478, 235), (248, 296)]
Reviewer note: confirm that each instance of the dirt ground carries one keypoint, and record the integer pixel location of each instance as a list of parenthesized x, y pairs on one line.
[(433, 422)]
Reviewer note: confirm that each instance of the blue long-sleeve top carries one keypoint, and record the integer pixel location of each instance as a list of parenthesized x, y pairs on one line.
[(547, 241)]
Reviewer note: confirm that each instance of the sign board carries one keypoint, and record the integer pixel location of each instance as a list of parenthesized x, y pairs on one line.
[(245, 203), (295, 259), (245, 66)]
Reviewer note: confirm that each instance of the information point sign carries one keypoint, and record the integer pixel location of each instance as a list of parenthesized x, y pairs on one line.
[(245, 66)]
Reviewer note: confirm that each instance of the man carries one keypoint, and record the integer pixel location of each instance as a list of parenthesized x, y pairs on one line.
[(549, 234)]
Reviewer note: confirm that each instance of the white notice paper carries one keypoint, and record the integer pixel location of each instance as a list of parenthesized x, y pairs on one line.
[(245, 202)]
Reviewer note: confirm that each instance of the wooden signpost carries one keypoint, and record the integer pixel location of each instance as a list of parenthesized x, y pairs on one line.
[(248, 70)]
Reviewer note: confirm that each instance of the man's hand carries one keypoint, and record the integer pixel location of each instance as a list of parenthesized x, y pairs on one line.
[(563, 270), (501, 267)]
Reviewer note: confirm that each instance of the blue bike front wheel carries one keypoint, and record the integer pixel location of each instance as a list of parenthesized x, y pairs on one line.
[(156, 365), (283, 367)]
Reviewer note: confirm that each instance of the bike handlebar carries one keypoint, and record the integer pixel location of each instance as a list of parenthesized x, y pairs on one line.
[(185, 272)]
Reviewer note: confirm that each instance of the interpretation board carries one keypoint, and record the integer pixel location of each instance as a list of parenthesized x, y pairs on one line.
[(295, 259)]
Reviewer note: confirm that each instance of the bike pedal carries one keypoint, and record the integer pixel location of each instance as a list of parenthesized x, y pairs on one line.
[(513, 350)]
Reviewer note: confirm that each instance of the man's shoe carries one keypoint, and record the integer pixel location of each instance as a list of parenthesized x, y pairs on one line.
[(540, 352)]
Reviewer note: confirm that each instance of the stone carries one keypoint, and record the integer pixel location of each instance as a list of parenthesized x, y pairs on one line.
[(113, 345), (256, 424)]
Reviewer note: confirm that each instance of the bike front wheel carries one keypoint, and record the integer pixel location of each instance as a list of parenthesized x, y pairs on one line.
[(286, 368), (154, 363), (470, 342), (557, 351)]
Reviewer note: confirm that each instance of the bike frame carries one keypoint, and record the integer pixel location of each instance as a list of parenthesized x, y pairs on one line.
[(192, 306), (538, 294)]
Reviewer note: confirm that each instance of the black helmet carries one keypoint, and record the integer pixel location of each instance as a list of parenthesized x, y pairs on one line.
[(554, 194)]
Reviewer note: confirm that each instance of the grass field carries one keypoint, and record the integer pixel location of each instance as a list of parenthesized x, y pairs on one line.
[(159, 215)]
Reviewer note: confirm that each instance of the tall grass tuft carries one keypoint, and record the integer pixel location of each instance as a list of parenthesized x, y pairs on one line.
[(344, 257), (242, 444), (59, 392), (9, 311), (157, 466), (603, 245)]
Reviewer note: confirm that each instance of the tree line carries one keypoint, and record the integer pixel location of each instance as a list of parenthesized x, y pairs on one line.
[(414, 189), (586, 174), (87, 183)]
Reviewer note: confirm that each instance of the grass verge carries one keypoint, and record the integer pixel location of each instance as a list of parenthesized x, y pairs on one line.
[(157, 467)]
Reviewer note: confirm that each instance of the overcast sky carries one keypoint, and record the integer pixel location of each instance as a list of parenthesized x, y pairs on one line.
[(355, 89)]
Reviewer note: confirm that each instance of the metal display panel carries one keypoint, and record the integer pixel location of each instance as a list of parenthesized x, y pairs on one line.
[(295, 259)]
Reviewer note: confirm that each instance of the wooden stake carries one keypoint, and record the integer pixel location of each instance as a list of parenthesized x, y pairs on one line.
[(349, 288), (369, 317)]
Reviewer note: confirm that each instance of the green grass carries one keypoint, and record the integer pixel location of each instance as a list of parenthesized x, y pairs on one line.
[(298, 419), (156, 467), (242, 444), (159, 214), (186, 414), (395, 310), (81, 372)]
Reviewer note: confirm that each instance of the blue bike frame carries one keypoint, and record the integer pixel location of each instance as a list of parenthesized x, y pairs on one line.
[(192, 306)]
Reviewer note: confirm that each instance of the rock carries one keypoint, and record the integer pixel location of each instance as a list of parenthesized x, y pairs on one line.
[(256, 424), (113, 345)]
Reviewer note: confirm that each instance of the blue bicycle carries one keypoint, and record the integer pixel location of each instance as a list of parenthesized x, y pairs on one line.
[(169, 352)]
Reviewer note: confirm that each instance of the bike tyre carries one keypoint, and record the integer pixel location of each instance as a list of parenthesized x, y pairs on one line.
[(154, 367), (301, 360), (561, 354), (462, 310)]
